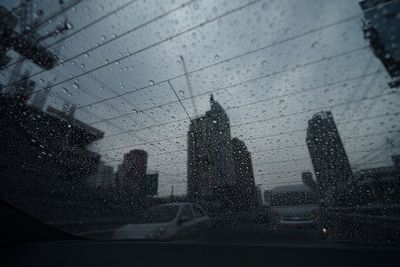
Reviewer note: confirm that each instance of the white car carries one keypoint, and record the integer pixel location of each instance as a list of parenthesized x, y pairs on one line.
[(167, 221)]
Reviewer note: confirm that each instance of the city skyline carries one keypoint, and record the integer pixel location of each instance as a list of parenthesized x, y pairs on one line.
[(269, 114)]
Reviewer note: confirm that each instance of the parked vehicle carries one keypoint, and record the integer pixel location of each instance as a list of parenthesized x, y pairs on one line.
[(167, 221), (293, 207)]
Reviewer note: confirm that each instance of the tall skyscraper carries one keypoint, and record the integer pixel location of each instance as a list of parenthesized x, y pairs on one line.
[(331, 165), (246, 189), (134, 167), (209, 153)]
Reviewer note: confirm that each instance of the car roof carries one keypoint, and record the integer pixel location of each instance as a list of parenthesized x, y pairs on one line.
[(177, 204), (291, 188)]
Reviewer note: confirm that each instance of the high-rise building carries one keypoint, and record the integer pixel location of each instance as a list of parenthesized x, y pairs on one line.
[(396, 161), (134, 167), (209, 153), (331, 165), (44, 156), (382, 29), (245, 185), (149, 184)]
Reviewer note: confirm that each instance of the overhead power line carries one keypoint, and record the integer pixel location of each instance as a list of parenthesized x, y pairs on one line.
[(180, 102), (81, 29), (278, 161), (269, 149), (61, 11), (261, 137), (287, 115), (235, 107), (254, 80), (225, 60), (137, 51)]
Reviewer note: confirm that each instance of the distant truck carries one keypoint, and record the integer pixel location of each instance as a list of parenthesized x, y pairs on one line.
[(292, 207)]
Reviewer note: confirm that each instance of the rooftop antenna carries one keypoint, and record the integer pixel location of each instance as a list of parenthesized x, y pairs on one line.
[(189, 85), (172, 193)]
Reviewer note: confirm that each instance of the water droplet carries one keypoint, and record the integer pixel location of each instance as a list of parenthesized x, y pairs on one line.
[(216, 57), (152, 82), (181, 92), (264, 63), (264, 7), (75, 85), (69, 25), (314, 44), (259, 171)]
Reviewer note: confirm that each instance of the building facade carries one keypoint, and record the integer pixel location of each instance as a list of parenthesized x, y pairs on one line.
[(219, 168), (133, 170), (331, 165), (244, 175), (209, 153), (44, 160)]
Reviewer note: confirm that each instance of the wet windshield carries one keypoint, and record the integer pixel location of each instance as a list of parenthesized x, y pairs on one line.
[(109, 109)]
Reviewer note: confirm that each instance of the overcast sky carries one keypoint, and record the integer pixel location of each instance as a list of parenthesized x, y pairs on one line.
[(262, 62)]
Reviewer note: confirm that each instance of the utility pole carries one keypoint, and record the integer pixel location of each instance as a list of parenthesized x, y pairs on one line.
[(18, 32), (189, 85)]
